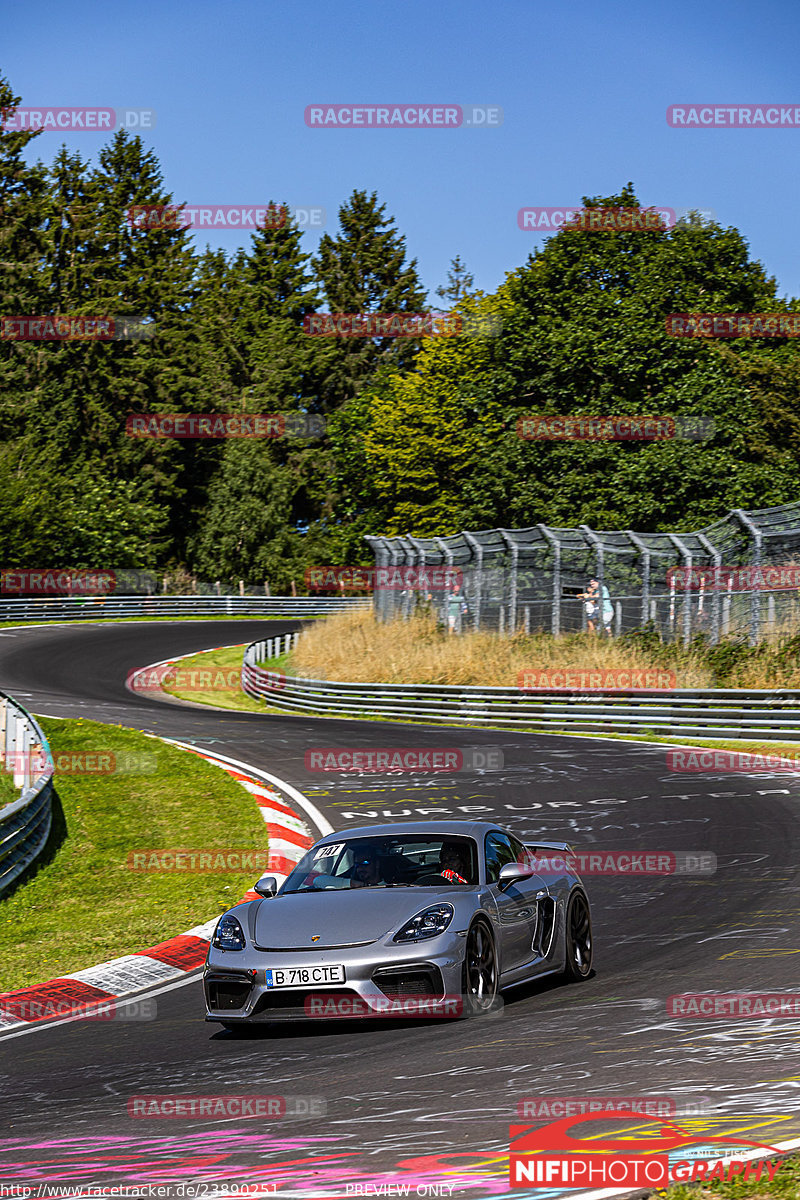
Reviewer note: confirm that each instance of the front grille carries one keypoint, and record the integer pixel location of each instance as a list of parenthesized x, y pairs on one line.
[(293, 1003), (226, 994), (409, 981)]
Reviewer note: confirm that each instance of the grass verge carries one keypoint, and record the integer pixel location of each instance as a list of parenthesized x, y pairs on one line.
[(84, 905), (229, 659), (354, 647), (213, 677)]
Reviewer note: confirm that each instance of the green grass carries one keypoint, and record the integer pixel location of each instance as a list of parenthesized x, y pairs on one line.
[(221, 667), (784, 1186), (84, 905), (8, 791)]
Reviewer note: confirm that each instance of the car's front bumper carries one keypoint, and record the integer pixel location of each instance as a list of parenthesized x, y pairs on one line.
[(382, 979)]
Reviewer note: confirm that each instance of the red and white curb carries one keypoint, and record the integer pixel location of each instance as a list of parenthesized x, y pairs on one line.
[(88, 992)]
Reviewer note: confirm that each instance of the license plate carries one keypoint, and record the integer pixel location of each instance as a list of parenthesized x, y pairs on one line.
[(287, 977)]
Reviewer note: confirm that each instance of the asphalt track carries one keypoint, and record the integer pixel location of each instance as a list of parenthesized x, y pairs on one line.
[(428, 1103)]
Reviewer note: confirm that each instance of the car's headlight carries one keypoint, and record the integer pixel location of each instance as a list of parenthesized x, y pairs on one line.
[(228, 935), (427, 924)]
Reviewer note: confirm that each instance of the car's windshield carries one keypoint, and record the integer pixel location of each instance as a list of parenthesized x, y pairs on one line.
[(400, 861)]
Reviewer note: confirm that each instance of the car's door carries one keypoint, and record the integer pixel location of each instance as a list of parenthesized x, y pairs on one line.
[(516, 903)]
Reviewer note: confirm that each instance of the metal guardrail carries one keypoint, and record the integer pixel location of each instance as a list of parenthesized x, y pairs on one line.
[(82, 608), (769, 714), (24, 822)]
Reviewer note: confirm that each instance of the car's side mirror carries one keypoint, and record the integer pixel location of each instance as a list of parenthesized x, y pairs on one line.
[(513, 873), (267, 886)]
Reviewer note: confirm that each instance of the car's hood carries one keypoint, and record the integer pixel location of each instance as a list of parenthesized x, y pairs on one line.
[(340, 918)]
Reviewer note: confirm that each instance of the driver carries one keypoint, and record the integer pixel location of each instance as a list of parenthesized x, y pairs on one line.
[(365, 870), (455, 862)]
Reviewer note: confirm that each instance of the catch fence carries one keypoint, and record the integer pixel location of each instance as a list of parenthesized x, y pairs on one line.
[(738, 577)]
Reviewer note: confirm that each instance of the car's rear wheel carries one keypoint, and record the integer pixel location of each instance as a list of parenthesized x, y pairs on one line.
[(578, 938), (480, 971)]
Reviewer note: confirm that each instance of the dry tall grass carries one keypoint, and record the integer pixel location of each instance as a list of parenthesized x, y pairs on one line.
[(355, 647)]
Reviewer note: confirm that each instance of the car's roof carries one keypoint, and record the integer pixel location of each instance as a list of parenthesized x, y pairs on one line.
[(423, 828)]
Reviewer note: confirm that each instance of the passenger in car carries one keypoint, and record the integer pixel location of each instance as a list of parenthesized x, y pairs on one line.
[(454, 862)]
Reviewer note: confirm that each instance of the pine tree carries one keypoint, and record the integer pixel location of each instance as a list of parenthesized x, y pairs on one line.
[(459, 282), (364, 269)]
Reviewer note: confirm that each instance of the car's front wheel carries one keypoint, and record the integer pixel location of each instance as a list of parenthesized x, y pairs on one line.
[(578, 938), (480, 971)]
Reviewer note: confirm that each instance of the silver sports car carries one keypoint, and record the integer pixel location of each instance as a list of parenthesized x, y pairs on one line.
[(433, 918)]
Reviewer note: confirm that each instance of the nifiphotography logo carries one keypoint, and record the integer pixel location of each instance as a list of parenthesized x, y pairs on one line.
[(550, 1156)]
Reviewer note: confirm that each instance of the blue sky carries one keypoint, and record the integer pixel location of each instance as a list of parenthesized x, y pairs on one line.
[(583, 86)]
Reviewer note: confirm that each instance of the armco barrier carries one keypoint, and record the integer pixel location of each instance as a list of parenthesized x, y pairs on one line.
[(773, 714), (82, 608), (24, 822)]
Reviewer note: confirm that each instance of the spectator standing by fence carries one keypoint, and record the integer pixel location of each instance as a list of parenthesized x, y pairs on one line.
[(456, 608), (598, 607)]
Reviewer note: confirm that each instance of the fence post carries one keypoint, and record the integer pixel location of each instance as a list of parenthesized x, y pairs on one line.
[(716, 594), (726, 608), (477, 550), (755, 595), (512, 591), (556, 609), (687, 591), (645, 555)]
